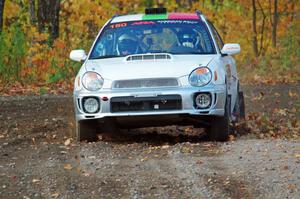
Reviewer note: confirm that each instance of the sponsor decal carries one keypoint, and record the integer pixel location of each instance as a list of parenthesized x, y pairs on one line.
[(183, 16), (141, 23), (138, 23), (155, 17), (177, 22)]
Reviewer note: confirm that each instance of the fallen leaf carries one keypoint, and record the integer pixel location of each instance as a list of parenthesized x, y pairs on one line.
[(68, 166), (285, 167), (100, 137), (231, 137), (144, 159), (36, 180), (226, 182), (208, 145), (68, 142), (282, 112), (290, 186), (87, 174), (277, 94), (199, 162), (292, 94), (188, 130), (186, 150), (55, 195), (165, 147)]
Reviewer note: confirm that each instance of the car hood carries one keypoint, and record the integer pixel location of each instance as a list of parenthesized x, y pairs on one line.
[(120, 69)]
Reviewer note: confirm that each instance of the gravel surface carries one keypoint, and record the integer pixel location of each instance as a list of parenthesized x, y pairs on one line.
[(39, 160)]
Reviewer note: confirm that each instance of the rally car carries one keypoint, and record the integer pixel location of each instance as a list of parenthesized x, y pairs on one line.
[(156, 69)]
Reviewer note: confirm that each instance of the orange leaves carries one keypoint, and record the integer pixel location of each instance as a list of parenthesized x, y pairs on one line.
[(59, 44), (280, 123), (80, 22)]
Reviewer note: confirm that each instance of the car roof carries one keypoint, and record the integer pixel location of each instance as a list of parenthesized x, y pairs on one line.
[(144, 17)]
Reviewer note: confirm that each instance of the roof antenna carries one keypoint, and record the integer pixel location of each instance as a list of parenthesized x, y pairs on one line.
[(198, 12), (161, 10)]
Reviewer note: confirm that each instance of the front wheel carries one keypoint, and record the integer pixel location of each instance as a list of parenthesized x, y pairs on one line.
[(219, 129), (86, 130)]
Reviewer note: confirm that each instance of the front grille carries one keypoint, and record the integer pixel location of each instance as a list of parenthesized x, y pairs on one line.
[(146, 83), (135, 104)]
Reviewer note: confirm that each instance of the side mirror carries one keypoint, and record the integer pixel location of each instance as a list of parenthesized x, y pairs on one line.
[(231, 49), (78, 55)]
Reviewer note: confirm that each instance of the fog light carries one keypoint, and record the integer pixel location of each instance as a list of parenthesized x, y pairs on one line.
[(203, 100), (91, 105)]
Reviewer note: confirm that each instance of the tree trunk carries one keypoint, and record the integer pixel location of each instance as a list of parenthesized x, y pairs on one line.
[(54, 28), (48, 17), (274, 24), (1, 13), (261, 49), (32, 12), (42, 15), (254, 37)]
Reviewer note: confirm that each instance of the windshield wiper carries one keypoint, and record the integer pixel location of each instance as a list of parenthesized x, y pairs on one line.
[(106, 56)]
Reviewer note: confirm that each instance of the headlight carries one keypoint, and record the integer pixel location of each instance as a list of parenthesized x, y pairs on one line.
[(200, 76), (92, 81)]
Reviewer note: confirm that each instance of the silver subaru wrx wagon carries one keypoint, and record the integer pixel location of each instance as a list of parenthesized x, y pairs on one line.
[(157, 69)]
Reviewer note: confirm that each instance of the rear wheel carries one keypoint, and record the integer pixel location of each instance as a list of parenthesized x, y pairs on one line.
[(239, 107), (242, 112), (219, 129)]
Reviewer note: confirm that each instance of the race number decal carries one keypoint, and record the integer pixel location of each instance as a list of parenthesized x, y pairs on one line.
[(118, 25)]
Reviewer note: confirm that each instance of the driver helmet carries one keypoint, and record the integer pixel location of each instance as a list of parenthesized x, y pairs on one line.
[(127, 44), (188, 38)]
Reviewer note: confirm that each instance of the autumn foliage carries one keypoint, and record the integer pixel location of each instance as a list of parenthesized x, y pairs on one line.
[(30, 55)]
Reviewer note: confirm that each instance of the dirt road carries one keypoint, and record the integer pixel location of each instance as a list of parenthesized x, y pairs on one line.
[(38, 161)]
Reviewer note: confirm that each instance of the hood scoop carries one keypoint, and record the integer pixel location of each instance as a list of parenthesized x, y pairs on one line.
[(142, 57)]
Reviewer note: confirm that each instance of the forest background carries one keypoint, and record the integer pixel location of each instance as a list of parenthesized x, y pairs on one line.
[(36, 37)]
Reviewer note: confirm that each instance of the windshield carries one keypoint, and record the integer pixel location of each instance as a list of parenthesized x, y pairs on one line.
[(157, 36)]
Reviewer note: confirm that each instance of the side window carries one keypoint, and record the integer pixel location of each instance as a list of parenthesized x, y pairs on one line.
[(216, 36)]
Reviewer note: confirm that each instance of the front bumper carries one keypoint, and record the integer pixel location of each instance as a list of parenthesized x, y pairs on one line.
[(218, 95)]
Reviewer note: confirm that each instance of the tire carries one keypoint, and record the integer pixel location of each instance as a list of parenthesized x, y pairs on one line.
[(219, 129), (108, 126), (86, 130)]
